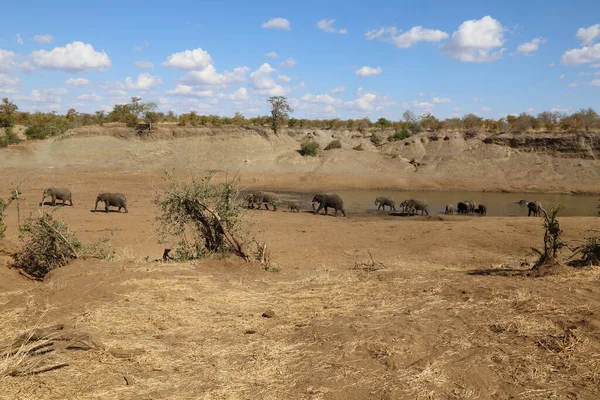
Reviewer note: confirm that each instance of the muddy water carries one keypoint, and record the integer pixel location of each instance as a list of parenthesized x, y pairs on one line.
[(498, 204)]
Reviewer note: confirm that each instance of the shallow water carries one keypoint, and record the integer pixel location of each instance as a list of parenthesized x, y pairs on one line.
[(497, 203)]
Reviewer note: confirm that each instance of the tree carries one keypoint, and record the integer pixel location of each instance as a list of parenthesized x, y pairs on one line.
[(280, 110), (409, 117), (7, 113)]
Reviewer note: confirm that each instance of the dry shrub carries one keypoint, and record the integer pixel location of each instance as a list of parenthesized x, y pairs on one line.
[(204, 217), (552, 237), (3, 205), (334, 144), (590, 251)]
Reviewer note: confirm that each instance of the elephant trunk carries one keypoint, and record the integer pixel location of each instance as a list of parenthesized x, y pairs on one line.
[(312, 204), (96, 207)]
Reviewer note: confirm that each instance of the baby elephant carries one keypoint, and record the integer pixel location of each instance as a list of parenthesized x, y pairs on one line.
[(449, 209), (112, 199), (381, 202), (294, 207), (481, 209), (57, 193)]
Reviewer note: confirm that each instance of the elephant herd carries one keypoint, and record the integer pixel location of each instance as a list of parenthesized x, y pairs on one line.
[(63, 194), (256, 200)]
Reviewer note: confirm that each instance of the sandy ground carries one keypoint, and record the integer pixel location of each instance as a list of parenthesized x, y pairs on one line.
[(444, 309)]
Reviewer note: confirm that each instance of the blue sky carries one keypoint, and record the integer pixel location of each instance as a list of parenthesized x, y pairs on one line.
[(345, 59)]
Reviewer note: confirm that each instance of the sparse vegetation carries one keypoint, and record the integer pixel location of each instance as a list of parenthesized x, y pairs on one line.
[(309, 148), (204, 217), (10, 137), (552, 236), (334, 144), (7, 113), (4, 203), (590, 251), (399, 135), (280, 110), (376, 140), (359, 147)]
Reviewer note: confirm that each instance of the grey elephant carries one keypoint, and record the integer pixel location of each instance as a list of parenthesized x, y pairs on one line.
[(57, 193), (260, 198), (381, 202), (328, 200), (466, 207), (535, 208), (112, 199), (293, 207), (449, 209), (523, 202), (481, 209), (412, 206)]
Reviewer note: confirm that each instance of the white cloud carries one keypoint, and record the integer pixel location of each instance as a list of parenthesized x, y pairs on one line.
[(595, 82), (587, 35), (485, 109), (573, 84), (189, 60), (277, 23), (239, 95), (283, 78), (423, 105), (530, 47), (144, 82), (185, 90), (441, 100), (209, 77), (263, 82), (457, 108), (337, 90), (90, 96), (478, 100), (368, 71), (74, 57), (19, 39), (551, 65), (7, 60), (289, 63), (558, 108), (405, 40), (272, 54), (475, 40), (77, 82), (144, 65), (44, 96), (321, 99), (45, 39), (327, 26), (562, 76), (8, 84), (530, 110), (581, 56), (141, 46), (368, 102)]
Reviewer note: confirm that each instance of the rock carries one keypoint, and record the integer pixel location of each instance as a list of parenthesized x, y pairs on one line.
[(268, 314), (250, 332)]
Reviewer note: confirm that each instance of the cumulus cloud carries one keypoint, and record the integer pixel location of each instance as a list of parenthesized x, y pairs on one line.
[(8, 85), (283, 78), (327, 26), (595, 82), (558, 108), (44, 96), (529, 47), (475, 40), (190, 91), (77, 82), (239, 95), (368, 102), (74, 57), (144, 82), (209, 77), (405, 40), (337, 90), (368, 71), (595, 66), (7, 60), (189, 60), (144, 65), (19, 39), (425, 106), (277, 23), (589, 34), (289, 63), (90, 96), (45, 39), (485, 109), (583, 55), (321, 99), (441, 100), (263, 82), (272, 54), (562, 76)]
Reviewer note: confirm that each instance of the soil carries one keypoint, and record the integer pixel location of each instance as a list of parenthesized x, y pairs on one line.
[(363, 307)]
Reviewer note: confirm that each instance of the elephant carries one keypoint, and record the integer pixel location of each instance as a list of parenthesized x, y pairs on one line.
[(466, 207), (260, 198), (328, 200), (523, 202), (535, 208), (412, 206), (112, 199), (294, 207), (481, 209), (57, 193), (381, 202), (449, 209)]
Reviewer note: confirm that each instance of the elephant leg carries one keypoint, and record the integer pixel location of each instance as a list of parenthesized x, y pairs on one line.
[(71, 202), (126, 210), (318, 208), (106, 207), (326, 212), (53, 200), (274, 206), (343, 212)]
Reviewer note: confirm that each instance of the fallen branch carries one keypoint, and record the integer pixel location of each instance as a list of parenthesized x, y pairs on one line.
[(62, 237)]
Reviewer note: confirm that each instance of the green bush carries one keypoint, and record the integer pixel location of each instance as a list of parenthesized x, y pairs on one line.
[(334, 144), (590, 251), (44, 130), (310, 148), (399, 135), (9, 138), (358, 148), (376, 140)]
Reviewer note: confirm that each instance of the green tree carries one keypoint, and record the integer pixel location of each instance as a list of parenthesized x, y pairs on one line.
[(7, 113), (280, 110)]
